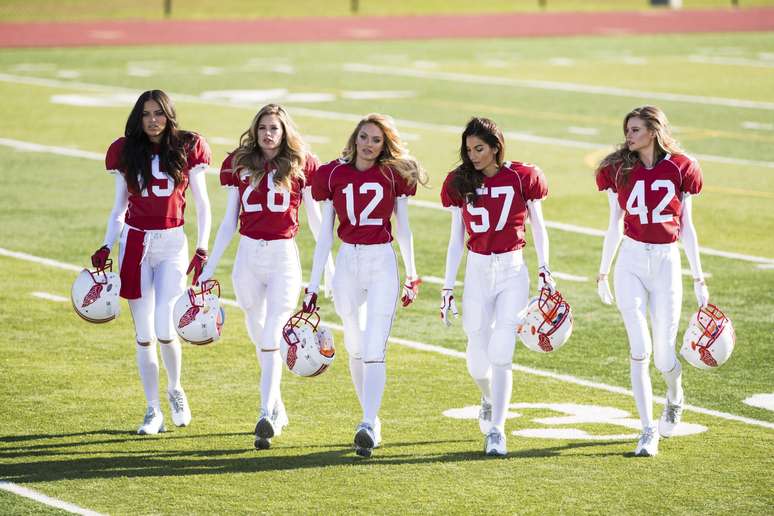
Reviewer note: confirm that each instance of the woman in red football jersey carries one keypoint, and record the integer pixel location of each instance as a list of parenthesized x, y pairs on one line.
[(154, 163), (364, 188), (490, 199), (649, 182), (267, 177)]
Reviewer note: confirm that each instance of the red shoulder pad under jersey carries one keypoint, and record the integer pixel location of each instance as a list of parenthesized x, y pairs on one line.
[(449, 195), (533, 181), (198, 152), (321, 190), (402, 186), (690, 171), (227, 176), (310, 168), (113, 155), (606, 179)]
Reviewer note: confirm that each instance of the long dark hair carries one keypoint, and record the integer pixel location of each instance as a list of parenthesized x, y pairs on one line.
[(624, 160), (138, 149), (466, 178)]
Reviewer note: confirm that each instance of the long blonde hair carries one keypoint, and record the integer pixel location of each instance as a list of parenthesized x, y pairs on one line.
[(289, 161), (394, 153), (624, 160)]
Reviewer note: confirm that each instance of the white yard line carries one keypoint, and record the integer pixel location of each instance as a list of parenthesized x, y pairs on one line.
[(44, 499), (572, 87), (50, 297), (421, 346), (353, 117)]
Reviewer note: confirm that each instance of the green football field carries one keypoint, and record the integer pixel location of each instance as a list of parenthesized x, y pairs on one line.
[(71, 398)]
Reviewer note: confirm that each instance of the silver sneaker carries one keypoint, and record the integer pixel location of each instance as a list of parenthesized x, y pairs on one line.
[(270, 425), (365, 440), (178, 404), (152, 423), (485, 416), (670, 418), (647, 446), (494, 444)]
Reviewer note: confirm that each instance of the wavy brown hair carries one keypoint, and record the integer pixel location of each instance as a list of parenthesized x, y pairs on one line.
[(466, 178), (395, 153), (623, 160), (289, 161), (138, 149)]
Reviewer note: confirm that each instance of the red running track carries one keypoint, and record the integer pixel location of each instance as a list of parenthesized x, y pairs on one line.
[(657, 21)]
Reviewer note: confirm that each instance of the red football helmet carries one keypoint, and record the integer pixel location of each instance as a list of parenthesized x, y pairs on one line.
[(94, 294), (197, 314), (709, 338), (307, 347), (547, 322)]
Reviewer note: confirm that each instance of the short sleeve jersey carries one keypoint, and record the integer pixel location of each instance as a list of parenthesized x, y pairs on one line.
[(363, 200), (267, 211), (652, 198), (161, 203), (495, 224)]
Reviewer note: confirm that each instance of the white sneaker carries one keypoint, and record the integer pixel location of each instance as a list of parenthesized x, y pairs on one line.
[(270, 425), (364, 439), (485, 416), (178, 404), (647, 446), (670, 418), (494, 444), (153, 422)]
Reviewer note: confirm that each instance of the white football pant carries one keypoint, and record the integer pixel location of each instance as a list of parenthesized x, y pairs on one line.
[(496, 290), (365, 293), (162, 278), (267, 282)]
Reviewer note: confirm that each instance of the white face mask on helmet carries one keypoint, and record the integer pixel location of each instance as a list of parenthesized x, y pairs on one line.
[(307, 347), (94, 294), (197, 314), (547, 322), (709, 338)]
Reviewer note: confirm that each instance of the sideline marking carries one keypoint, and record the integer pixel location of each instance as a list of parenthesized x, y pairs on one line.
[(44, 499), (421, 346), (557, 86), (352, 117), (571, 228)]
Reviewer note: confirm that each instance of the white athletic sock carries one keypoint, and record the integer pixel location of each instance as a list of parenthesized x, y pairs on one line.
[(502, 385), (485, 386), (674, 381), (172, 356), (271, 373), (148, 366), (643, 392), (374, 380), (356, 371)]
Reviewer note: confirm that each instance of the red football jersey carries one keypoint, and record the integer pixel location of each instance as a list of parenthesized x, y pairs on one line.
[(363, 200), (161, 203), (496, 223), (267, 212), (651, 199)]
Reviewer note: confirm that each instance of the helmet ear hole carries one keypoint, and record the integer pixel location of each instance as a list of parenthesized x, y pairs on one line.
[(549, 319), (94, 294), (709, 338), (307, 347), (197, 314)]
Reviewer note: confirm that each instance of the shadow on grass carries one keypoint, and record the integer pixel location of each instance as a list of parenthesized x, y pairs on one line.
[(50, 464)]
